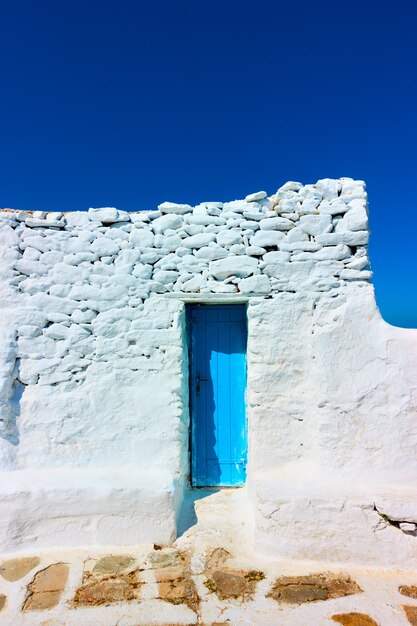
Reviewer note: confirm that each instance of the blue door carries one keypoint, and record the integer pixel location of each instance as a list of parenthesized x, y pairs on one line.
[(217, 394)]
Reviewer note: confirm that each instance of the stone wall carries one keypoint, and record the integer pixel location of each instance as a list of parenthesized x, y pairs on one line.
[(94, 373)]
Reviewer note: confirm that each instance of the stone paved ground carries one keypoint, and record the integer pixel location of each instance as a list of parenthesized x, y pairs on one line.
[(207, 577), (171, 586)]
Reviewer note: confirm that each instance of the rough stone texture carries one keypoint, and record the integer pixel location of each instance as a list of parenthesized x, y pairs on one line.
[(354, 619), (45, 590), (227, 582), (411, 613), (300, 589), (173, 574), (113, 564), (95, 591), (107, 580), (94, 375), (233, 583), (15, 569), (408, 590)]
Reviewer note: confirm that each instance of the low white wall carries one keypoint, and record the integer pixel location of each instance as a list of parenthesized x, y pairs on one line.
[(333, 436), (94, 373)]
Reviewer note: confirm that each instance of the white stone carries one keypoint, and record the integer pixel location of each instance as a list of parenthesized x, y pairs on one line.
[(220, 287), (77, 218), (104, 215), (296, 234), (57, 331), (26, 330), (35, 285), (83, 316), (328, 187), (267, 239), (255, 284), (49, 259), (31, 254), (193, 284), (165, 222), (334, 207), (237, 248), (84, 292), (205, 220), (276, 223), (192, 229), (358, 263), (355, 219), (105, 247), (310, 246), (79, 257), (254, 197), (173, 207), (211, 253), (63, 273), (117, 233), (358, 238), (229, 237), (239, 206), (290, 186), (35, 223), (294, 217), (165, 276), (255, 251), (233, 266), (356, 274), (142, 238), (124, 216), (149, 256), (352, 189), (316, 224), (31, 268), (276, 257), (172, 242), (330, 253), (198, 241), (8, 236), (256, 216)]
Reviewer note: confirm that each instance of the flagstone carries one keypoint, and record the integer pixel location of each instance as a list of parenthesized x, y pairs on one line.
[(408, 590), (15, 569), (173, 574), (107, 590), (45, 590), (354, 619), (312, 588), (411, 613), (113, 564)]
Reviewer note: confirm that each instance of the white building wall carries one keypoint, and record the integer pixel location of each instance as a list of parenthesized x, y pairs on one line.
[(94, 374)]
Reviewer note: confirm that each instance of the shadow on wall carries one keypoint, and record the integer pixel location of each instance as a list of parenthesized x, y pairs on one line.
[(187, 516), (9, 430)]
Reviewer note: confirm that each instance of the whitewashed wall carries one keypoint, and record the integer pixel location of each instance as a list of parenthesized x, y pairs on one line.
[(93, 371)]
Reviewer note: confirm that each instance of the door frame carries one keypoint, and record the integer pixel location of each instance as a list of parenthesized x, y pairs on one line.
[(189, 306)]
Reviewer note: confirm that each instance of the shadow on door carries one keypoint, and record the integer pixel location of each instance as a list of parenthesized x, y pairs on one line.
[(218, 439)]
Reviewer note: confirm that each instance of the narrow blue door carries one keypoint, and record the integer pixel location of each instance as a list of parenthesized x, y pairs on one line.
[(217, 394)]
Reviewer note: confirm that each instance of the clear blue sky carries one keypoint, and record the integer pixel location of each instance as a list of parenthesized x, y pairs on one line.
[(130, 103)]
